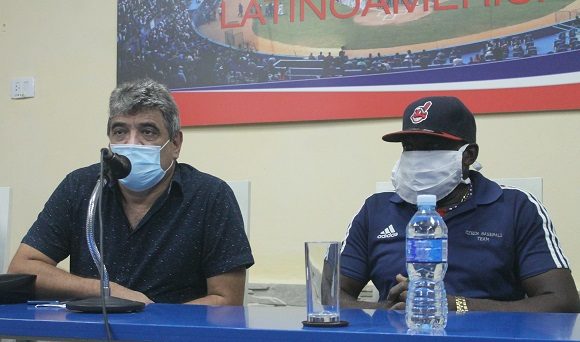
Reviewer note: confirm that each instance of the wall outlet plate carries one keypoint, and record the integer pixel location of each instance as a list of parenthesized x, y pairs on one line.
[(22, 87)]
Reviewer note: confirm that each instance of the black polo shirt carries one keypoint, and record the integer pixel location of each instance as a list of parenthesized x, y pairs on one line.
[(192, 232)]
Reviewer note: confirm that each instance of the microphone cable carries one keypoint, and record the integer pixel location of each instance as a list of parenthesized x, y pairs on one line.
[(102, 263)]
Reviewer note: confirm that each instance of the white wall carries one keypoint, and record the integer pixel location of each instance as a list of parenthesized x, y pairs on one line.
[(308, 179), (4, 223)]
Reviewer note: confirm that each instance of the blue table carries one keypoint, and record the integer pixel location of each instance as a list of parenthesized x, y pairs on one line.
[(172, 322)]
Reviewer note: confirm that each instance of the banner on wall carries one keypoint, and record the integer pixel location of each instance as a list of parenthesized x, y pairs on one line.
[(252, 61)]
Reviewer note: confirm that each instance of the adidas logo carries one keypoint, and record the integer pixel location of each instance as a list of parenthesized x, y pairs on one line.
[(389, 232)]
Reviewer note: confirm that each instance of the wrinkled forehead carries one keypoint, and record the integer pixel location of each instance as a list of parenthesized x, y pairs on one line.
[(152, 117)]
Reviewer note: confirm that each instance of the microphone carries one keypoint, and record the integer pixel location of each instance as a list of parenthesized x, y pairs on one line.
[(116, 166)]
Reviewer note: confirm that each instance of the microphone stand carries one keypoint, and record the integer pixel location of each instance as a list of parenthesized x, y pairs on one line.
[(105, 302)]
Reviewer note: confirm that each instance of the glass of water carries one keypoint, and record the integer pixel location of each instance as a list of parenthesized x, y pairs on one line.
[(322, 282)]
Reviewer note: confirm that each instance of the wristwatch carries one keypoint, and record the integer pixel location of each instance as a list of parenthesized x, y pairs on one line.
[(461, 304)]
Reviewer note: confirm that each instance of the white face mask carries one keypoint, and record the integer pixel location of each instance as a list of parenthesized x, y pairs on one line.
[(428, 173), (146, 170)]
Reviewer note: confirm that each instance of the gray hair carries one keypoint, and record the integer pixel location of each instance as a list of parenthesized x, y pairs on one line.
[(135, 96)]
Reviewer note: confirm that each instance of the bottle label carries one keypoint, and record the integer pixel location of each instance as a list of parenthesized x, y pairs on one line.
[(427, 250)]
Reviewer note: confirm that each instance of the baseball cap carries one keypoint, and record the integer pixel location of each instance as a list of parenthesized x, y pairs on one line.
[(442, 116)]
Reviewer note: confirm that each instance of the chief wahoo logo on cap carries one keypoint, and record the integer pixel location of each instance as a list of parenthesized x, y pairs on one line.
[(421, 112)]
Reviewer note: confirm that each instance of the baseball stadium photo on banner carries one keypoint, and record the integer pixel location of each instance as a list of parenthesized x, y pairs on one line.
[(253, 61)]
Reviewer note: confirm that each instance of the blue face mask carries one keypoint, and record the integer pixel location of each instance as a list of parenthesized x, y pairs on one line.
[(146, 170)]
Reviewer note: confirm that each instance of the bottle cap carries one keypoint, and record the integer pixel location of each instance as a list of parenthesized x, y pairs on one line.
[(426, 200)]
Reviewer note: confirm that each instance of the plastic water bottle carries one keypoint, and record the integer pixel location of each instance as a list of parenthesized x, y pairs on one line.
[(426, 306)]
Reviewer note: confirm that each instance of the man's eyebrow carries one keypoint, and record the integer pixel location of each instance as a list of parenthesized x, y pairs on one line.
[(118, 124), (149, 124)]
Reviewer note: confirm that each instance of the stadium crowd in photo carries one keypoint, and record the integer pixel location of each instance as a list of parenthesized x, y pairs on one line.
[(161, 39)]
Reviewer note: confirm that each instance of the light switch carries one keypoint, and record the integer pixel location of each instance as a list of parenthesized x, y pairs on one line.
[(22, 87)]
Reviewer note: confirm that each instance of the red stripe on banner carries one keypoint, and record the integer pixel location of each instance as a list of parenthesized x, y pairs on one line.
[(226, 108)]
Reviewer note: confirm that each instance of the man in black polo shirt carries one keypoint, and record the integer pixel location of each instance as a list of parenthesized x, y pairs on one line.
[(171, 233)]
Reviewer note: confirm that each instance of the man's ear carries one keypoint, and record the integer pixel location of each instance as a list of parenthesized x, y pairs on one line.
[(177, 141), (470, 154)]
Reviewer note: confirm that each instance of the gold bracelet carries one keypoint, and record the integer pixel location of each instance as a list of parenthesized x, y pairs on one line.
[(461, 304)]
